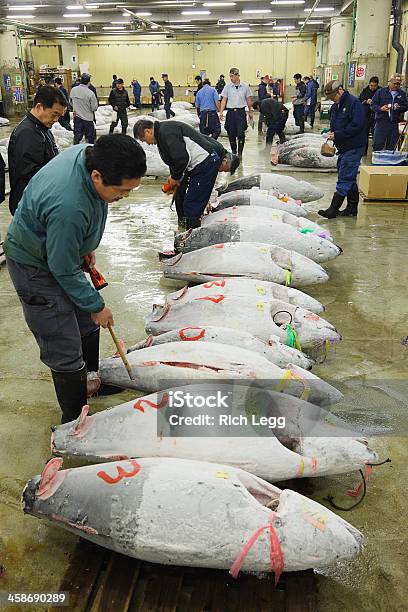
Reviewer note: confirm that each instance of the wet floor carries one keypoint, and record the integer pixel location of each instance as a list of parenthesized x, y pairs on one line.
[(365, 299)]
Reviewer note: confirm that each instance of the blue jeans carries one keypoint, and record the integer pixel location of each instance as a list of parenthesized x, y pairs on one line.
[(200, 186), (347, 168)]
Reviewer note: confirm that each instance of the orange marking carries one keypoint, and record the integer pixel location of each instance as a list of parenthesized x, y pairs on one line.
[(212, 298), (183, 336), (220, 283), (163, 402), (122, 473), (218, 246)]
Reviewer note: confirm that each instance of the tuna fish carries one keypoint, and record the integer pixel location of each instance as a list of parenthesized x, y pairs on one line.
[(191, 513), (257, 197), (273, 350), (262, 213), (306, 156), (261, 317), (246, 286), (280, 449), (251, 259), (158, 367), (279, 183), (253, 230)]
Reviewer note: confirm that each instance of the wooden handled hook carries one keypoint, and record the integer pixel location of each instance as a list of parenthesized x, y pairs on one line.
[(120, 351)]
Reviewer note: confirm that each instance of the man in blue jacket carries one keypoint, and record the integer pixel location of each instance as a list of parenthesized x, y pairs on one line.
[(137, 92), (311, 99), (348, 131), (59, 220), (389, 104)]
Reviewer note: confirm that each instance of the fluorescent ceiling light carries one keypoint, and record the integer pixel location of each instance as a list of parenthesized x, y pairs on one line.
[(120, 22), (256, 11), (19, 17), (234, 23), (179, 21), (143, 14), (113, 28), (238, 29), (281, 27), (154, 27), (287, 2), (76, 15), (310, 22), (68, 29), (216, 4), (22, 7), (196, 12), (320, 10)]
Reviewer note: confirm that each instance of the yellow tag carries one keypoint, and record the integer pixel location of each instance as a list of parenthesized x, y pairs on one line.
[(222, 475), (261, 290), (263, 250), (275, 216), (260, 306)]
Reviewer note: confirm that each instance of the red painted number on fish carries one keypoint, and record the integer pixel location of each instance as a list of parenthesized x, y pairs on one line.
[(220, 283), (219, 246), (198, 336), (122, 473), (163, 402), (212, 298)]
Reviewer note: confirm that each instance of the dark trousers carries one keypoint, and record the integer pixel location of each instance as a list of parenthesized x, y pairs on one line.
[(275, 127), (386, 135), (370, 129), (201, 183), (347, 168), (210, 123), (123, 118), (236, 123), (261, 121), (167, 108), (65, 121), (311, 109), (298, 113), (155, 101), (137, 101), (84, 128), (54, 320)]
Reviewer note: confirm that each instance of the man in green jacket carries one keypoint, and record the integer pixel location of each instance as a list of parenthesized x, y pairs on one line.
[(60, 219)]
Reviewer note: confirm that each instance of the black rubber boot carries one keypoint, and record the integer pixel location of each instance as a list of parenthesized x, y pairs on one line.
[(282, 138), (90, 355), (241, 144), (332, 211), (70, 388), (353, 197), (233, 143)]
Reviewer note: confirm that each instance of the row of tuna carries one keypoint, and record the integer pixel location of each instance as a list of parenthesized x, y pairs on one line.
[(243, 333)]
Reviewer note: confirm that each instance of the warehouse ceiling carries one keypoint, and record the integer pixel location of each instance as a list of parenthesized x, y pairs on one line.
[(173, 17)]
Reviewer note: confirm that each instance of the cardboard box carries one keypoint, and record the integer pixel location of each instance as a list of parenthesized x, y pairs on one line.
[(384, 182)]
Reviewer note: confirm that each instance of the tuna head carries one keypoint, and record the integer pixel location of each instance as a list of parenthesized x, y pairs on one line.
[(302, 270)]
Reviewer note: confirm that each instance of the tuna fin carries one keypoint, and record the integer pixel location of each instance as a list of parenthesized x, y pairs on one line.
[(48, 475), (81, 420)]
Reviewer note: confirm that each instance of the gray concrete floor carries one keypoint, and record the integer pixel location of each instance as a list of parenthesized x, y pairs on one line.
[(365, 299)]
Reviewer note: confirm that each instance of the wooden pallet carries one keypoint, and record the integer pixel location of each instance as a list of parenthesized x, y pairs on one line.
[(384, 201), (101, 581)]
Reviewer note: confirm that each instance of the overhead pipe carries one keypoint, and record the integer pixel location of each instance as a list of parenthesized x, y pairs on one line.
[(396, 34)]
